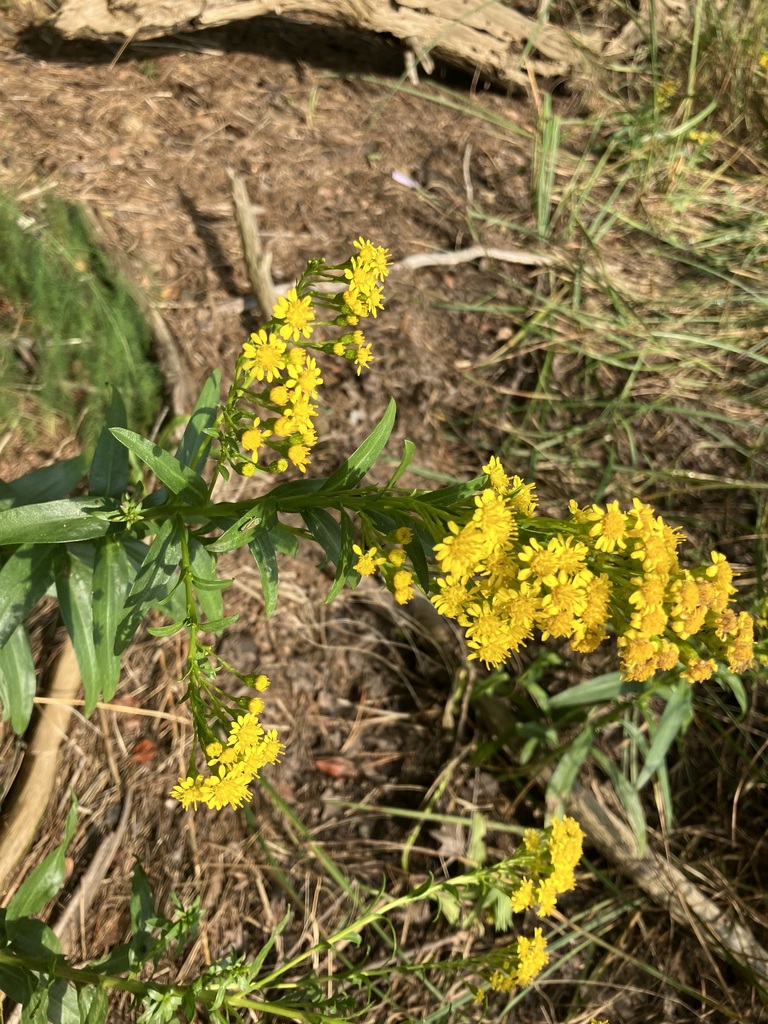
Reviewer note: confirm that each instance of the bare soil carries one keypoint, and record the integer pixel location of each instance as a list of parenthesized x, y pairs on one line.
[(316, 122)]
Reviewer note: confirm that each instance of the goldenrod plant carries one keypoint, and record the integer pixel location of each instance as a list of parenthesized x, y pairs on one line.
[(477, 549)]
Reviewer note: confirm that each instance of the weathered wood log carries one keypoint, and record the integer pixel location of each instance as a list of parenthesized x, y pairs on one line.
[(503, 45)]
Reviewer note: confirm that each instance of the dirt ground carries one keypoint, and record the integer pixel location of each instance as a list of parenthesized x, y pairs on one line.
[(145, 139)]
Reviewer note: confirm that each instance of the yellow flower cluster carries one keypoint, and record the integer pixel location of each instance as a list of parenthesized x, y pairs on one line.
[(390, 564), (528, 961), (279, 376), (506, 572), (551, 864), (236, 763)]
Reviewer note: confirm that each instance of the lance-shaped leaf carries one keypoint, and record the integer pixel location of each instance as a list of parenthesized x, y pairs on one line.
[(194, 445), (45, 484), (421, 543), (113, 576), (111, 464), (154, 582), (177, 478), (46, 879), (344, 571), (352, 471), (17, 680), (74, 588), (629, 797), (262, 516), (326, 531), (445, 497), (674, 722), (599, 690), (23, 580), (204, 570), (52, 522), (263, 550), (409, 450)]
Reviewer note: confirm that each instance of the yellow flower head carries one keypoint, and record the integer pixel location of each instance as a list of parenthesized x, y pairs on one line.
[(374, 257), (305, 379), (190, 792), (497, 478), (461, 552), (368, 561), (264, 356), (297, 315), (299, 456)]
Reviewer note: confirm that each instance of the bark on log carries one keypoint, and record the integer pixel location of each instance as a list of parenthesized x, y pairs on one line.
[(502, 44)]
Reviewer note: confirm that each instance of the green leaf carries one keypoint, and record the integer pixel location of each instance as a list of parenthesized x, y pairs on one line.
[(563, 777), (44, 484), (445, 497), (263, 550), (219, 625), (415, 551), (628, 797), (23, 580), (600, 690), (449, 905), (111, 465), (175, 627), (262, 515), (409, 450), (195, 443), (63, 1005), (674, 722), (732, 682), (46, 879), (204, 568), (285, 541), (74, 588), (18, 680), (93, 1004), (35, 1010), (113, 576), (32, 938), (178, 478), (344, 571), (352, 471), (17, 983), (276, 930), (156, 578), (142, 911), (325, 530), (52, 522)]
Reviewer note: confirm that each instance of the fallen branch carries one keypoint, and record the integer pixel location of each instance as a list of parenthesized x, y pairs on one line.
[(666, 883), (476, 35), (416, 261)]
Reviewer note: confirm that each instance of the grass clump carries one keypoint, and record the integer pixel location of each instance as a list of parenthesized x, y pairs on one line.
[(69, 327)]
